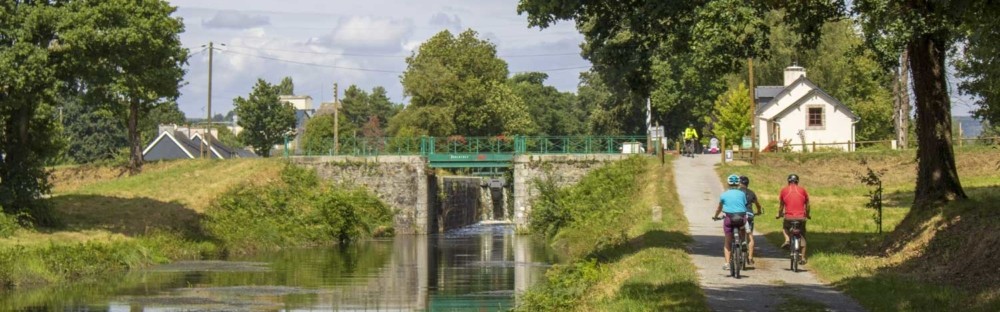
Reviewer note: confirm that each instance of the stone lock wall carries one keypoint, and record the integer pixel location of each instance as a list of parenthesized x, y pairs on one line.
[(399, 181), (565, 169)]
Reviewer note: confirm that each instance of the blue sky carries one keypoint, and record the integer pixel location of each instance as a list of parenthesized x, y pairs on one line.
[(340, 37)]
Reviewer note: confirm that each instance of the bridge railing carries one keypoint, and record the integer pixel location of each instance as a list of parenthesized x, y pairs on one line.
[(539, 145)]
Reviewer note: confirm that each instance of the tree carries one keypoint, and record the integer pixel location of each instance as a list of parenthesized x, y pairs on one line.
[(94, 133), (32, 74), (359, 106), (318, 135), (731, 114), (554, 112), (461, 78), (265, 120), (137, 57), (622, 35), (286, 86)]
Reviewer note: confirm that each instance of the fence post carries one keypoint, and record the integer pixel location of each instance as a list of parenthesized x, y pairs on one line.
[(814, 147), (722, 149), (850, 147)]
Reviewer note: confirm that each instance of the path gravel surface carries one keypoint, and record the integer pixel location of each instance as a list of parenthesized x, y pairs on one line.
[(763, 288)]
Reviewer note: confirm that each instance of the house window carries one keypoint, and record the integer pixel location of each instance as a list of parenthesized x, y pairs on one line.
[(816, 120)]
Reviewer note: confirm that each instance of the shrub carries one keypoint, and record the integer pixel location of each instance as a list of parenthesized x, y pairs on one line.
[(299, 210), (8, 225)]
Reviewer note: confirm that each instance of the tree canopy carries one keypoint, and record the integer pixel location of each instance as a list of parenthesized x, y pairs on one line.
[(555, 113), (265, 119), (457, 85), (625, 39)]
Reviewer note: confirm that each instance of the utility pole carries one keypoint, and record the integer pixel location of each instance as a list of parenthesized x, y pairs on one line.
[(753, 112), (204, 139), (336, 120)]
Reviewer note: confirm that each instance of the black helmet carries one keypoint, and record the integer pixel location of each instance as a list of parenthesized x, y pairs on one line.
[(745, 180), (793, 178)]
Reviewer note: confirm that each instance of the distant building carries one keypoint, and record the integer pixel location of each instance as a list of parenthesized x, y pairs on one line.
[(802, 112), (175, 142), (304, 111)]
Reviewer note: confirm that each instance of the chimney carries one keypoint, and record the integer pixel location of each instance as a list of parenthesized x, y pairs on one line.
[(792, 73)]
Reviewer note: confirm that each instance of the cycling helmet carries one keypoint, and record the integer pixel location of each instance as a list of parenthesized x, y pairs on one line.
[(733, 179), (793, 178), (745, 180)]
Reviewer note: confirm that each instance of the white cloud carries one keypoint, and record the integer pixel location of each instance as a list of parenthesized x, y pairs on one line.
[(236, 20), (369, 34)]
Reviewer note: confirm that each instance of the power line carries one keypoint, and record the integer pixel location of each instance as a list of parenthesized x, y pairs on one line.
[(392, 55), (317, 65), (375, 70)]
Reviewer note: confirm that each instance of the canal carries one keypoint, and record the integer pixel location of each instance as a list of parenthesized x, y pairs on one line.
[(477, 268)]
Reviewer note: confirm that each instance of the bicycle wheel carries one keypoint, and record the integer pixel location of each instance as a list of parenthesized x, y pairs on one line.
[(795, 254), (739, 261), (732, 262)]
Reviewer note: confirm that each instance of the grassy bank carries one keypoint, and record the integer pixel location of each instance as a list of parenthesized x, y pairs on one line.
[(623, 258), (182, 210), (928, 260)]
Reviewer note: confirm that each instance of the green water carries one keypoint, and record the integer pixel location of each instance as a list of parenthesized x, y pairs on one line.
[(475, 269)]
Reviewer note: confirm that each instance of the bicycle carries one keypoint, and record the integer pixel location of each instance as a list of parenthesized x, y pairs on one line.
[(795, 246), (737, 252), (689, 148)]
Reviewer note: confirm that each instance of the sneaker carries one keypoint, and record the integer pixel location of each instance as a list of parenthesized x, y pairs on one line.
[(725, 267), (802, 261), (750, 262), (784, 245)]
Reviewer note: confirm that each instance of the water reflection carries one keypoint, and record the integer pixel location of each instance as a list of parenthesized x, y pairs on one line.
[(480, 268)]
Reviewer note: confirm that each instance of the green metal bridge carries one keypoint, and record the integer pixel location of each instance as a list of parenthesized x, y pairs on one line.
[(476, 152)]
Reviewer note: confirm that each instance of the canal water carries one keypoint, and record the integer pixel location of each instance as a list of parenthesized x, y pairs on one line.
[(478, 268)]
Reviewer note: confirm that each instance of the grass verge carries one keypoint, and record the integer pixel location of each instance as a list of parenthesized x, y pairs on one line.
[(929, 260), (110, 224), (623, 260)]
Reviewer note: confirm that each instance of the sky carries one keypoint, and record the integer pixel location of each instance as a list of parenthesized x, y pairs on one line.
[(364, 43)]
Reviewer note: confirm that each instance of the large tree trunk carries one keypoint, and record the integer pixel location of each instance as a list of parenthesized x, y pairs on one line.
[(901, 99), (937, 177), (134, 144)]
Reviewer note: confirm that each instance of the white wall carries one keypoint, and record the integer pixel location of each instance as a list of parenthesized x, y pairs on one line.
[(837, 129)]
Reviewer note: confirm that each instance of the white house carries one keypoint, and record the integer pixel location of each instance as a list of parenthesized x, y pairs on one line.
[(803, 113)]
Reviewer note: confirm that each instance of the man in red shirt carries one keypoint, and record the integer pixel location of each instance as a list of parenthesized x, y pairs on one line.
[(793, 204)]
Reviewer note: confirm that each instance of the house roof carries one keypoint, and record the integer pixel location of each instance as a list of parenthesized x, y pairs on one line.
[(301, 116), (764, 94), (817, 92), (177, 138), (221, 150)]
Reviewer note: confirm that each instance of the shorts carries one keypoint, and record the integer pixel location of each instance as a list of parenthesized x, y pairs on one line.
[(750, 223), (787, 225), (728, 224)]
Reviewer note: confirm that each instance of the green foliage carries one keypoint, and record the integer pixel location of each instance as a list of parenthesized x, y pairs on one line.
[(94, 133), (977, 65), (8, 225), (298, 210), (599, 198), (359, 106), (458, 85), (563, 287), (133, 57), (732, 113), (286, 86), (555, 113), (265, 119), (318, 136), (227, 137)]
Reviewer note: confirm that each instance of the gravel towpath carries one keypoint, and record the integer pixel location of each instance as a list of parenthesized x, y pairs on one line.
[(763, 288)]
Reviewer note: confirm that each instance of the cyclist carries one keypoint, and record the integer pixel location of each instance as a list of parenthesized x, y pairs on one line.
[(793, 204), (751, 200), (734, 204), (690, 135)]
